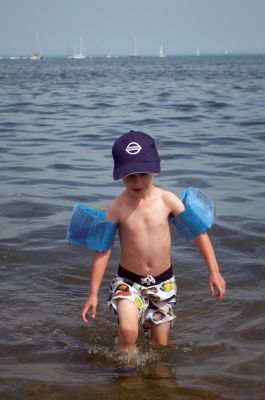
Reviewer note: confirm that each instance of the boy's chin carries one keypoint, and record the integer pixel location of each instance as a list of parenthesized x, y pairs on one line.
[(138, 192)]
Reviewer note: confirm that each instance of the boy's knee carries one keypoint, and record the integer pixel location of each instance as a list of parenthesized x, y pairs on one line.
[(160, 341), (160, 334), (128, 332)]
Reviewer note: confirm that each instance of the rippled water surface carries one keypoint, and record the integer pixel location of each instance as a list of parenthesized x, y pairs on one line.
[(58, 120)]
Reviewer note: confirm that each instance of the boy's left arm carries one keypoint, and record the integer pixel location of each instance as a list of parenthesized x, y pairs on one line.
[(215, 278)]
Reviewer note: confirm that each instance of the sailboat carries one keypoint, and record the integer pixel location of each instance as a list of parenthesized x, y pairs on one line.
[(134, 53), (80, 55), (36, 55), (161, 52)]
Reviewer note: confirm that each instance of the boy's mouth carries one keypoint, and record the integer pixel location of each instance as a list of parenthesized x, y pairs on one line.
[(137, 190)]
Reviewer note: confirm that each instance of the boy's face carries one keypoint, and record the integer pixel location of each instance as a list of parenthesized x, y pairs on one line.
[(139, 183)]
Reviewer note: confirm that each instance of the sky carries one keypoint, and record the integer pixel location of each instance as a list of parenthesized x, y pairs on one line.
[(112, 26)]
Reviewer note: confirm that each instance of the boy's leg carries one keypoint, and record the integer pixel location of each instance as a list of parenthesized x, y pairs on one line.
[(128, 326), (160, 333)]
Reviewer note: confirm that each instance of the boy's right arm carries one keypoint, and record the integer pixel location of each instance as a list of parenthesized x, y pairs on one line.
[(99, 264)]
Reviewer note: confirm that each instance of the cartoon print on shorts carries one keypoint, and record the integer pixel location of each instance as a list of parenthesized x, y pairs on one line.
[(167, 286), (163, 313), (139, 303), (123, 290), (154, 303), (122, 287), (158, 316), (150, 293)]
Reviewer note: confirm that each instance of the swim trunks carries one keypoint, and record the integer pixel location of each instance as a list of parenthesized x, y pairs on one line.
[(153, 296)]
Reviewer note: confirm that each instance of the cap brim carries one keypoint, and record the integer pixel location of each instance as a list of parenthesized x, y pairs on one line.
[(144, 167)]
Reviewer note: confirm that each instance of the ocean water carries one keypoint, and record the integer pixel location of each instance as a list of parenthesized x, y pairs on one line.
[(58, 120)]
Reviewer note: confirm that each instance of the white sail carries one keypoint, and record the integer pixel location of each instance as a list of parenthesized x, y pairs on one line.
[(135, 53), (161, 52), (78, 55), (36, 55)]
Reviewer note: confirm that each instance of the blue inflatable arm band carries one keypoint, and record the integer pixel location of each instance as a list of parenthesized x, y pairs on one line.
[(90, 228), (198, 215)]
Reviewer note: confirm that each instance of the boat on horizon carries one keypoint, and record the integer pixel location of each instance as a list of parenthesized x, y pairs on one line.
[(78, 55), (36, 55), (161, 52), (135, 53)]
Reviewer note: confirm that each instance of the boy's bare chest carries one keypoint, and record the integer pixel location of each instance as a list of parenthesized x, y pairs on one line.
[(144, 217)]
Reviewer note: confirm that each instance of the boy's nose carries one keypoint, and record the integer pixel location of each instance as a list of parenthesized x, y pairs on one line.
[(137, 178)]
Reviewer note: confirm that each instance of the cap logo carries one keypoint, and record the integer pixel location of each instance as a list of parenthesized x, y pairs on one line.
[(133, 148)]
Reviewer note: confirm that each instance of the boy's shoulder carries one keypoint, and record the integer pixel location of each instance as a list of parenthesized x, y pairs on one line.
[(172, 201), (117, 201), (114, 207), (168, 195)]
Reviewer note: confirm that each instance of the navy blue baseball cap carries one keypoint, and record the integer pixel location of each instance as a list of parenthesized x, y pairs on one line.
[(134, 152)]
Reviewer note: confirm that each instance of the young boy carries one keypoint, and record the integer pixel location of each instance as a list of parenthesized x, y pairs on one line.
[(144, 288)]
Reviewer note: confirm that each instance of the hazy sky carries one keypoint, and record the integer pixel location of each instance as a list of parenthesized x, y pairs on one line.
[(109, 26)]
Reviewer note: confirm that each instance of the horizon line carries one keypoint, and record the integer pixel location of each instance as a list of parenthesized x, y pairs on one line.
[(122, 55)]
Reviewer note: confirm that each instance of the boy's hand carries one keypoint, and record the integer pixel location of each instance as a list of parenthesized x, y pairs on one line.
[(217, 281), (90, 304)]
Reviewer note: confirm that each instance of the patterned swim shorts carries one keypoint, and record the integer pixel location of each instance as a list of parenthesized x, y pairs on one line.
[(153, 296)]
